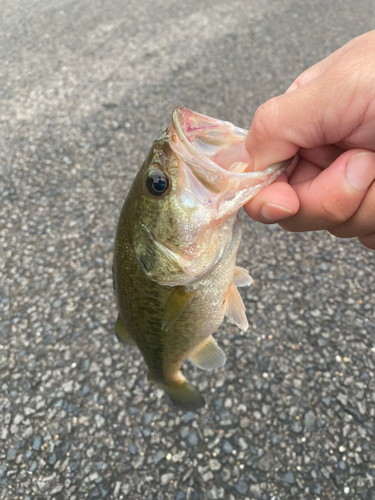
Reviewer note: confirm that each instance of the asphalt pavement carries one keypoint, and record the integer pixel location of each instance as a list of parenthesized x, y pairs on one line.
[(85, 87)]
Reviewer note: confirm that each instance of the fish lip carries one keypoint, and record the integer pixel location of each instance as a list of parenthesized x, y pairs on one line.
[(177, 114), (176, 123), (213, 159)]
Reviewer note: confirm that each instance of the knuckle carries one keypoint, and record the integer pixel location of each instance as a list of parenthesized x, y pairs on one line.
[(334, 213)]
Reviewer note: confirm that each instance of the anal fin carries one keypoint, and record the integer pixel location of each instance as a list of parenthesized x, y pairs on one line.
[(175, 306), (122, 334), (242, 277), (235, 308), (208, 355)]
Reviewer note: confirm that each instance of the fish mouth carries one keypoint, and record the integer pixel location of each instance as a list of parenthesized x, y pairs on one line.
[(212, 150)]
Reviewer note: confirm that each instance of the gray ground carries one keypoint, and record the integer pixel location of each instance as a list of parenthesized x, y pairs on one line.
[(85, 87)]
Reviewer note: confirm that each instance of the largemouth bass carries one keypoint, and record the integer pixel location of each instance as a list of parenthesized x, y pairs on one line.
[(177, 239)]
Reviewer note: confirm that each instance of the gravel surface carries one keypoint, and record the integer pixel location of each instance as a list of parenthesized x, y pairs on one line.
[(85, 87)]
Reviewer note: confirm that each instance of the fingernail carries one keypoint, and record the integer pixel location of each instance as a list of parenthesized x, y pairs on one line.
[(294, 86), (272, 213), (360, 171)]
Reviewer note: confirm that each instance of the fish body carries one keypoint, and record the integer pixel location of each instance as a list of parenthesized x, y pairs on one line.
[(174, 269)]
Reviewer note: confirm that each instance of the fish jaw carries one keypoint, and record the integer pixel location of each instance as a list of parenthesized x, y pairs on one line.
[(211, 150)]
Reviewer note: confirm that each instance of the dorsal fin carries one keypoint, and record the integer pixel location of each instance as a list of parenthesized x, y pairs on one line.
[(175, 305), (208, 355), (242, 277), (235, 308)]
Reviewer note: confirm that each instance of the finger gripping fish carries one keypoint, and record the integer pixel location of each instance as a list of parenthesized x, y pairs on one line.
[(174, 270)]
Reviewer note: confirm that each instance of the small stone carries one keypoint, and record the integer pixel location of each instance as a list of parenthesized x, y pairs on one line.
[(242, 487), (57, 489), (189, 417), (147, 418), (33, 466), (99, 420), (68, 386), (104, 492), (207, 476), (28, 432), (226, 475), (117, 488), (227, 447), (288, 477), (242, 443), (315, 313), (37, 443), (276, 439), (296, 427), (138, 462), (17, 419), (266, 462), (244, 422), (336, 479), (166, 478), (324, 472), (85, 390), (214, 464), (11, 454), (342, 398), (255, 491), (133, 449), (159, 455), (193, 439), (52, 459), (184, 431), (315, 488), (361, 407), (309, 420), (216, 493), (342, 465)]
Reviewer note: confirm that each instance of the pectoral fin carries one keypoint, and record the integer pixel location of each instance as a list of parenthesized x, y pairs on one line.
[(175, 306), (235, 308), (239, 167), (122, 334), (208, 355), (242, 277)]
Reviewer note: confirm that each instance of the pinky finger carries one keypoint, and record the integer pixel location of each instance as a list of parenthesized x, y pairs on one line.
[(368, 241)]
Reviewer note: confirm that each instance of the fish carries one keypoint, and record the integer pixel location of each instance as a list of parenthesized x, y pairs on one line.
[(174, 268)]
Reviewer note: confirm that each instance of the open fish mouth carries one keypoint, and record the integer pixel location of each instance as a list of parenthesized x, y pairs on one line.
[(212, 150)]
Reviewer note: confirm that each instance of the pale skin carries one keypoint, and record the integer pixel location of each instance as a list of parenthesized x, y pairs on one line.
[(327, 119)]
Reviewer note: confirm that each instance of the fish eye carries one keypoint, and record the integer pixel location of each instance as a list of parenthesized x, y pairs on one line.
[(157, 182)]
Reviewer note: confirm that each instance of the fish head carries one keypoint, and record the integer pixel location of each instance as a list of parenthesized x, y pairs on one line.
[(187, 196)]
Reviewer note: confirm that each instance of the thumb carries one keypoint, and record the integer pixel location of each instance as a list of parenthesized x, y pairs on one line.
[(308, 116)]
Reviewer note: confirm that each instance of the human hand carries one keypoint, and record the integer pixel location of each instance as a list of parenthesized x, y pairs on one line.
[(327, 119)]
